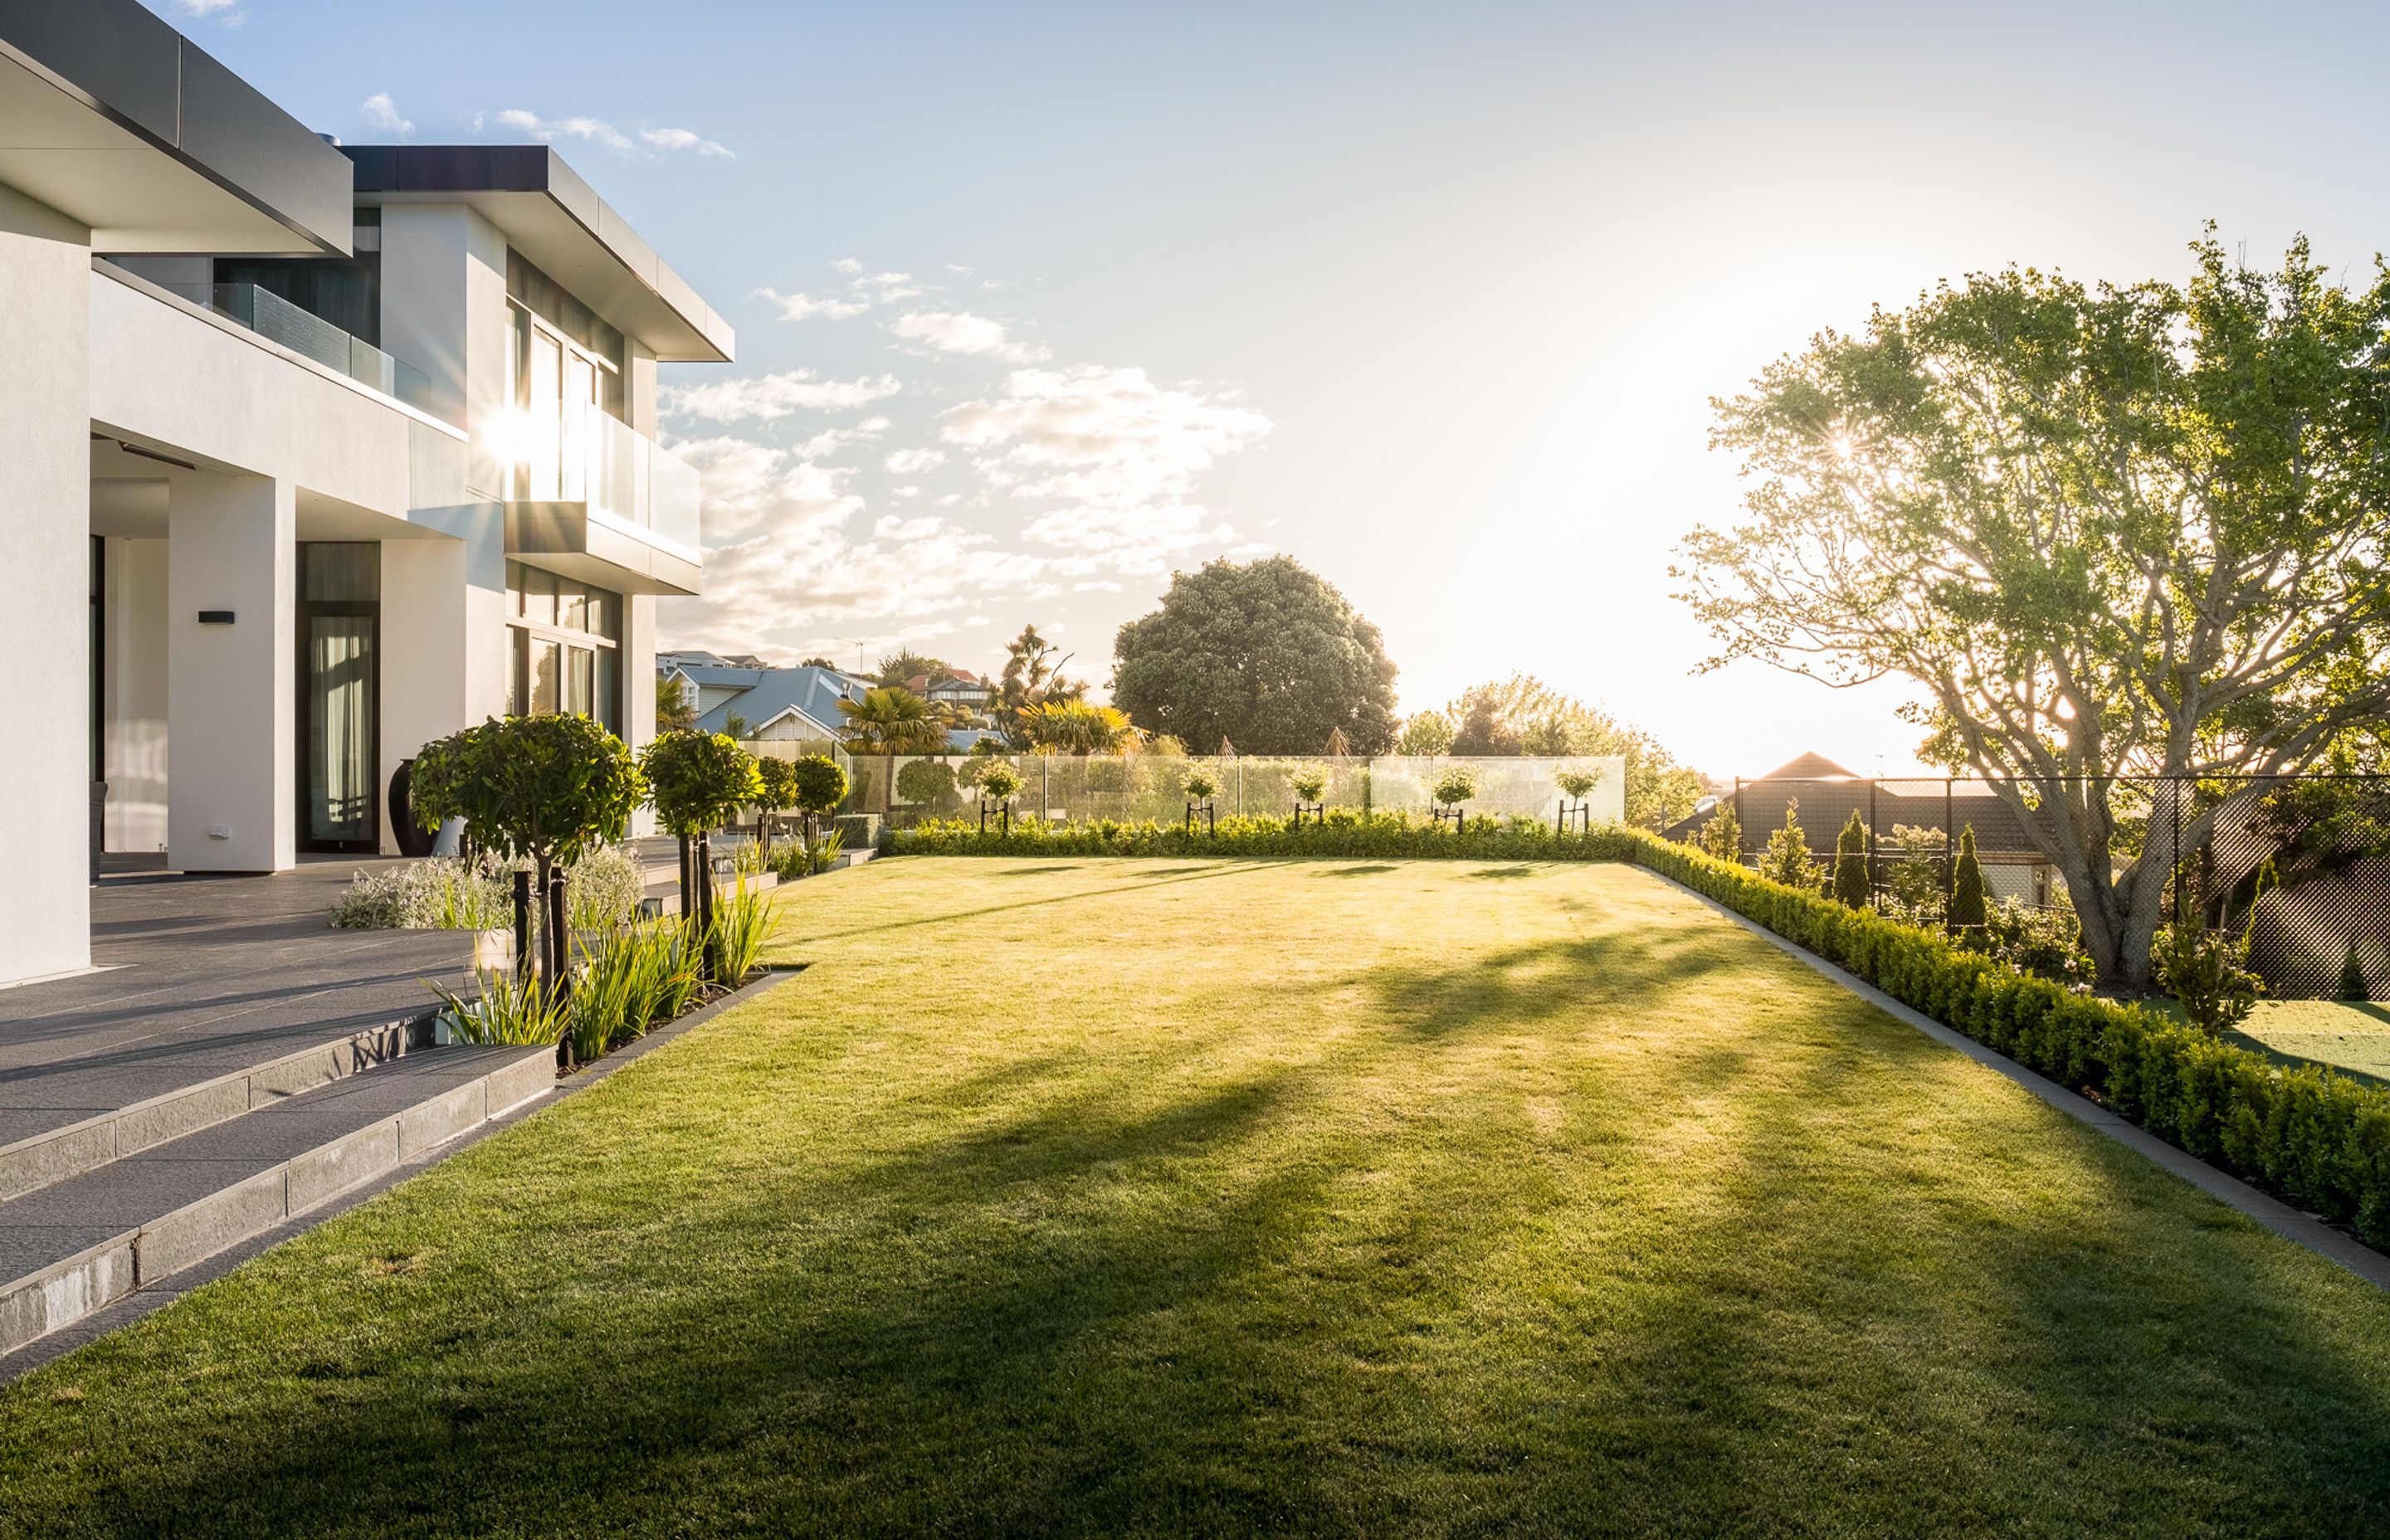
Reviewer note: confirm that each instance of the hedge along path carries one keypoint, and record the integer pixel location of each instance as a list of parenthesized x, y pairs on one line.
[(2315, 1139)]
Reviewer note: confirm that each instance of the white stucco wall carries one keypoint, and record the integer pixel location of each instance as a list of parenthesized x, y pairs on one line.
[(134, 665), (232, 544), (213, 393), (45, 528)]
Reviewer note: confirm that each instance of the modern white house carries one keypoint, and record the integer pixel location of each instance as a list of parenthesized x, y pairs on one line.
[(308, 455)]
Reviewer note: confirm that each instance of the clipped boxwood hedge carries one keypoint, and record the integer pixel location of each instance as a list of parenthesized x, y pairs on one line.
[(1342, 833), (2315, 1139)]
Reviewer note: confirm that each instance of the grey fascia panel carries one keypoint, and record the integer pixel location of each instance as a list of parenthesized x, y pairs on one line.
[(462, 171), (130, 66), (117, 55), (230, 125)]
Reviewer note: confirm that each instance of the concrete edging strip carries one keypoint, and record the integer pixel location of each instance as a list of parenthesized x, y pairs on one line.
[(2273, 1212)]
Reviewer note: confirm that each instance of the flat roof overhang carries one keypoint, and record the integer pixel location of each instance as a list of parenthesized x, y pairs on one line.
[(121, 124), (587, 545), (555, 219)]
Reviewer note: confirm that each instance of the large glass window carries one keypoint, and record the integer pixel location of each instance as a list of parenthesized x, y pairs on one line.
[(566, 366), (340, 625), (565, 643)]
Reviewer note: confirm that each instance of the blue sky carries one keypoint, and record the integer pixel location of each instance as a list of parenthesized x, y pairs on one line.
[(1432, 298)]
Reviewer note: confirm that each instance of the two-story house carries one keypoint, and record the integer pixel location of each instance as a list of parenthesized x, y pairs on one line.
[(341, 448)]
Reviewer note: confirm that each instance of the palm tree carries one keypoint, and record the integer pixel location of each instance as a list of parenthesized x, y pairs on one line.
[(1076, 727), (889, 721)]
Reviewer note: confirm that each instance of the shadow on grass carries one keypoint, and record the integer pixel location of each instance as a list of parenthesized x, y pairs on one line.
[(1372, 868), (1357, 1294), (1504, 874)]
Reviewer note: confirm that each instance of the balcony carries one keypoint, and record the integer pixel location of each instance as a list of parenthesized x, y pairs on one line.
[(602, 503), (278, 321)]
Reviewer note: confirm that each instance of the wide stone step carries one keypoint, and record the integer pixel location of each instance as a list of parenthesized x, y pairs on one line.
[(76, 1115), (74, 1245)]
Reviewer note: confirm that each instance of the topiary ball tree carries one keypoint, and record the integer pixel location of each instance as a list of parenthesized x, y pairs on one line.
[(1310, 784), (1453, 788), (549, 788), (822, 784), (698, 782), (1967, 885), (1200, 786), (1002, 783), (1852, 888), (928, 781), (779, 780)]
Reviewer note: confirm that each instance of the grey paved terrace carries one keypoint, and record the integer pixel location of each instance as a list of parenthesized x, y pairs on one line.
[(204, 976)]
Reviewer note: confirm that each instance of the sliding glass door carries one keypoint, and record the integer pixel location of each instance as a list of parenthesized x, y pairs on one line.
[(340, 660)]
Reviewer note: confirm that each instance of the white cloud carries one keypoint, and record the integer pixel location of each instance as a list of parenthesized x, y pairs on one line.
[(798, 307), (959, 331), (681, 139), (531, 125), (596, 131), (382, 115), (784, 563), (213, 7), (847, 265), (912, 462), (1120, 453), (774, 395)]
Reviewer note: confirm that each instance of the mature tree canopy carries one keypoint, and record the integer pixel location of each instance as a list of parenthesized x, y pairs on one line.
[(1523, 715), (2109, 532), (907, 665), (1264, 653)]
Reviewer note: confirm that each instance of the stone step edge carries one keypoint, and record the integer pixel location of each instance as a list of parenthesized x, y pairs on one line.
[(64, 1291), (41, 1160)]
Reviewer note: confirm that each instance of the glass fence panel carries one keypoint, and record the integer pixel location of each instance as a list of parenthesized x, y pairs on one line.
[(1152, 787)]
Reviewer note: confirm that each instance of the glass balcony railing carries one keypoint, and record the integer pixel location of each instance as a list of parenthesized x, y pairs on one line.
[(628, 475), (277, 320)]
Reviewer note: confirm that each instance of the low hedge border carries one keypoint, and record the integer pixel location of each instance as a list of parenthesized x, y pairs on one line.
[(2312, 1137)]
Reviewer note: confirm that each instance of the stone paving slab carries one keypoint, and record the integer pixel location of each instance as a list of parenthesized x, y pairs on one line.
[(202, 977), (77, 1244)]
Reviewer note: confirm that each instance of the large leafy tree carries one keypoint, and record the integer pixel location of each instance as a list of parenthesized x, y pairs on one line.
[(2110, 532), (1266, 654)]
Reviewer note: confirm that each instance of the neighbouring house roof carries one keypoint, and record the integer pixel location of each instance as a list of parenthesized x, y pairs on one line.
[(767, 695), (1809, 767)]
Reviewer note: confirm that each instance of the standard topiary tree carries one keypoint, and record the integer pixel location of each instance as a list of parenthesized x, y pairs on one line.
[(1576, 787), (821, 785), (1309, 783), (1002, 783), (697, 782), (1202, 787), (1967, 907), (1852, 888), (1453, 788), (779, 780), (549, 788)]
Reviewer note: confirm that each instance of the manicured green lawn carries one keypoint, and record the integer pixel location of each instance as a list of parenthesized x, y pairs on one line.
[(1143, 1197), (2330, 1031)]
